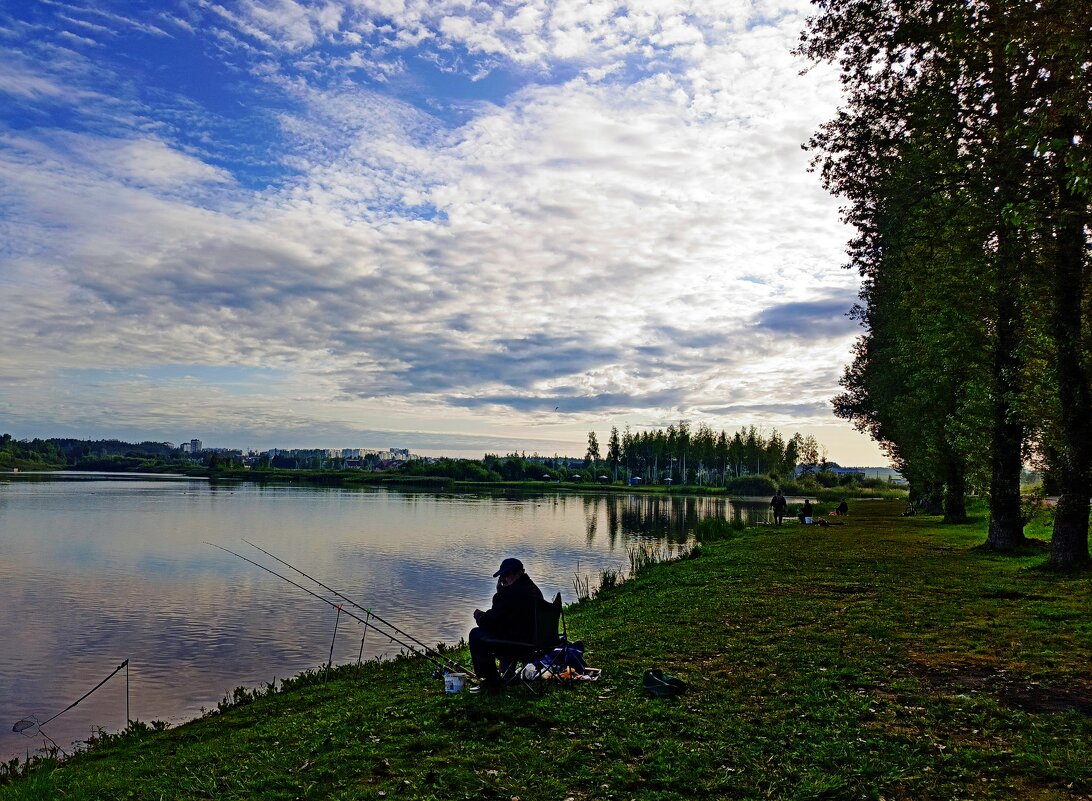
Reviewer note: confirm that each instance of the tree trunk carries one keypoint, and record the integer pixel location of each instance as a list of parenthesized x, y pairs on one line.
[(1006, 529), (955, 492), (928, 499), (1069, 543)]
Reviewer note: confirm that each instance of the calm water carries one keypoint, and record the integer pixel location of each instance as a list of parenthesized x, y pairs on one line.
[(96, 570)]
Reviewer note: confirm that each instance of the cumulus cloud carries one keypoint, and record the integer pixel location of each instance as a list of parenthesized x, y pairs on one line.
[(626, 233)]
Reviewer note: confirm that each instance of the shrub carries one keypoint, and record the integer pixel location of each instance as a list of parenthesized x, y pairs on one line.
[(717, 528), (751, 485)]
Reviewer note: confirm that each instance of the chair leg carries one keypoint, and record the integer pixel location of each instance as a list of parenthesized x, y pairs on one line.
[(518, 676), (531, 685)]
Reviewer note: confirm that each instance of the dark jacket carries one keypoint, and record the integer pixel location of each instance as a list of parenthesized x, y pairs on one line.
[(512, 615)]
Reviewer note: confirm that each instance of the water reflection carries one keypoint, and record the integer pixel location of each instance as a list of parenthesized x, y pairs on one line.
[(94, 571), (666, 518)]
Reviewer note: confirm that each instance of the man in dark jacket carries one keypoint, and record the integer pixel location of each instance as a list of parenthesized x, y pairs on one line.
[(511, 618), (778, 504)]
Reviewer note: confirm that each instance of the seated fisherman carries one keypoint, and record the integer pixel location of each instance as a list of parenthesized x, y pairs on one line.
[(511, 617)]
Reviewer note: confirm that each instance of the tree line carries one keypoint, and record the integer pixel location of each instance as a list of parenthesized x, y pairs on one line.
[(699, 455), (680, 454), (746, 462), (961, 152), (105, 454)]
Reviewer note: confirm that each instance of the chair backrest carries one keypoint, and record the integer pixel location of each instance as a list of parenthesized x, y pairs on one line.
[(547, 618)]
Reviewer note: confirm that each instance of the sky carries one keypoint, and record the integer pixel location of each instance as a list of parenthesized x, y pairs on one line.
[(457, 227)]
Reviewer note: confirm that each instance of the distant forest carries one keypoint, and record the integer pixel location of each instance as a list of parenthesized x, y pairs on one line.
[(82, 454)]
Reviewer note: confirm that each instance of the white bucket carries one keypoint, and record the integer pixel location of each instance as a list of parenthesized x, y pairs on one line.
[(454, 682)]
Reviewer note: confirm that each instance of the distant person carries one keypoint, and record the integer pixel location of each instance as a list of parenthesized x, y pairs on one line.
[(510, 618), (805, 513), (843, 509), (778, 504)]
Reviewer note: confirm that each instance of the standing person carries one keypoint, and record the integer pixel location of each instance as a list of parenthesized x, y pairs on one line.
[(510, 618), (778, 504)]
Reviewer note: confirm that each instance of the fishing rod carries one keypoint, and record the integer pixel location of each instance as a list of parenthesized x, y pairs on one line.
[(28, 723), (351, 602), (392, 638)]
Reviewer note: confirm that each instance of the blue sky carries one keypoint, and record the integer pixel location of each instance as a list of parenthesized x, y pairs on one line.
[(444, 225)]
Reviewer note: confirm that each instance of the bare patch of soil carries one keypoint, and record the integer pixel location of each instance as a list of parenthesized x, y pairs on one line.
[(1009, 687)]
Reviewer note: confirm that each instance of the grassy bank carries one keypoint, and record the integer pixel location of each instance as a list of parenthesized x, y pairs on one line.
[(885, 658)]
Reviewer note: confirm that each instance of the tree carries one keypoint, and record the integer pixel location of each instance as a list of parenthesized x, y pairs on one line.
[(891, 155), (808, 451), (592, 456), (775, 454), (986, 102), (1059, 39), (915, 385), (614, 451)]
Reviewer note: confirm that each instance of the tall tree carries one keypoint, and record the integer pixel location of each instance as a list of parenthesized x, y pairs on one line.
[(933, 102), (592, 455), (1058, 38), (614, 451)]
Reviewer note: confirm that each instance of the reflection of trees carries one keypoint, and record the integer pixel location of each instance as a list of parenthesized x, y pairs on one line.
[(665, 517), (591, 515), (613, 523), (662, 517), (751, 513)]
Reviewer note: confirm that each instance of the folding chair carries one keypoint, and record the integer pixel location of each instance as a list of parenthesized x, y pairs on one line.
[(545, 638)]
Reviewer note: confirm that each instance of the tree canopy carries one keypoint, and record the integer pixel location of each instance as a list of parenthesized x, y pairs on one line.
[(962, 152)]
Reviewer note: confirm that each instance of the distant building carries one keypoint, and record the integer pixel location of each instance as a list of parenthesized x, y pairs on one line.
[(195, 446)]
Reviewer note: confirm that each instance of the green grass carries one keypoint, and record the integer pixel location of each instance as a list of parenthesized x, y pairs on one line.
[(883, 659)]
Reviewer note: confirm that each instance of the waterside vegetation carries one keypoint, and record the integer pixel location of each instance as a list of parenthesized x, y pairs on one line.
[(888, 657)]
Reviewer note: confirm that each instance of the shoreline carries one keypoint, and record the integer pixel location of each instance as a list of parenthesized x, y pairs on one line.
[(347, 478)]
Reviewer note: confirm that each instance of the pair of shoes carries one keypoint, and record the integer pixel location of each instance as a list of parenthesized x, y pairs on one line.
[(661, 685)]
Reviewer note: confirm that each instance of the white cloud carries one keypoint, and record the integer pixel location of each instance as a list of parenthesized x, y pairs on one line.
[(30, 85), (596, 244), (153, 162), (290, 24)]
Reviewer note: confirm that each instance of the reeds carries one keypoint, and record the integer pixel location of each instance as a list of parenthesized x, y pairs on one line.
[(641, 558)]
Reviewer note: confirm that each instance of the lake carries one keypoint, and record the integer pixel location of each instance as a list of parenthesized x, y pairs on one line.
[(99, 568)]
